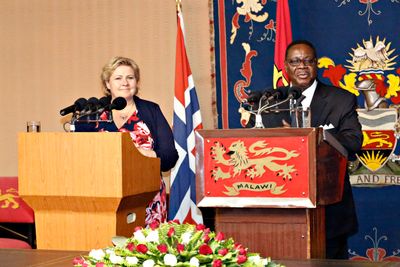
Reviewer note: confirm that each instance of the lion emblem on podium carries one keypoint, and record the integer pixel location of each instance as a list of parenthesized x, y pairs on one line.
[(252, 161)]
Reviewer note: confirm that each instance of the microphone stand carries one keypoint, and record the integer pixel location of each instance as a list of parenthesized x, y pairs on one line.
[(72, 122), (266, 107), (79, 118), (97, 118), (258, 114), (259, 124), (294, 105)]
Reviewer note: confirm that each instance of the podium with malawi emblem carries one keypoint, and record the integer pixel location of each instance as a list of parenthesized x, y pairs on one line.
[(268, 187)]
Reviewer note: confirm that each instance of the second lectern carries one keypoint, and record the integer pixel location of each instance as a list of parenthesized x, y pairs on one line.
[(84, 188), (269, 187)]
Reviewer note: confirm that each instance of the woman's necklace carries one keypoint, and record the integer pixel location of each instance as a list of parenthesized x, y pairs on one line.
[(125, 115)]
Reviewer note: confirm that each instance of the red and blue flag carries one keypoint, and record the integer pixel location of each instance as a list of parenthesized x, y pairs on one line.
[(186, 120)]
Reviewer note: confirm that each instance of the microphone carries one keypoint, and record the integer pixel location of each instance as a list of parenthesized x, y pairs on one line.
[(118, 104), (78, 105), (104, 102), (92, 105), (294, 93), (298, 100), (267, 94), (278, 94), (254, 96)]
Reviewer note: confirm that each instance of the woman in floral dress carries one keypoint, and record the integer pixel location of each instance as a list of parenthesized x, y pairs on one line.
[(150, 131)]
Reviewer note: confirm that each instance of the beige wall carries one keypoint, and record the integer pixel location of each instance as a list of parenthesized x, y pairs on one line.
[(52, 52)]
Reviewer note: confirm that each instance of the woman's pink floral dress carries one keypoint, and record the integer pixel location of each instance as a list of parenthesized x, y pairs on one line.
[(141, 137)]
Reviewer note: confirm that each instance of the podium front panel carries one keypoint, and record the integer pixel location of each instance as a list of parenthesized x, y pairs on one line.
[(256, 168), (83, 186)]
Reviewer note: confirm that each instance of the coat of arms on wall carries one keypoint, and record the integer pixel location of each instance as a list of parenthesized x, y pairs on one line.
[(372, 76)]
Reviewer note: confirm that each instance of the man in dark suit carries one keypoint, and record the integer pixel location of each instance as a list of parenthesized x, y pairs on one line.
[(332, 108)]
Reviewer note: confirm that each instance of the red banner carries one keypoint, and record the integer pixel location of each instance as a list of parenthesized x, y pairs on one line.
[(283, 38)]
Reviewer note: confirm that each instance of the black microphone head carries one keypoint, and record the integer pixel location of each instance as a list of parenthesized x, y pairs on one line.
[(281, 93), (267, 93), (254, 96), (80, 104), (299, 100), (93, 100), (105, 101), (118, 103), (294, 92), (77, 106), (92, 104)]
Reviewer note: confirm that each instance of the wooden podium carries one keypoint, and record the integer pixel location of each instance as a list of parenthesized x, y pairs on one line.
[(268, 187), (85, 188)]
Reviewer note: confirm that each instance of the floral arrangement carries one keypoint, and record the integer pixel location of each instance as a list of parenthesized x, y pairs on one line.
[(173, 244)]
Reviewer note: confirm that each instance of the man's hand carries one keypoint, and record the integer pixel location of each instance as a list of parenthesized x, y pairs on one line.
[(285, 124)]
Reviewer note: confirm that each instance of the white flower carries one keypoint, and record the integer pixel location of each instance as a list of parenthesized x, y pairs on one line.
[(265, 261), (139, 236), (194, 262), (116, 259), (170, 259), (153, 237), (186, 237), (123, 254), (255, 259), (131, 260), (97, 254), (148, 263), (110, 251)]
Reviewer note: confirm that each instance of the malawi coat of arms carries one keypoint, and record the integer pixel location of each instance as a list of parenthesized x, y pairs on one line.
[(370, 74)]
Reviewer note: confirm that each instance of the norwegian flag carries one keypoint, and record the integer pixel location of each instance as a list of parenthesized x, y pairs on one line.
[(283, 39), (187, 119)]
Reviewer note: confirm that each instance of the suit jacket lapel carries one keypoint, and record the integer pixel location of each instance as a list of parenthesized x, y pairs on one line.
[(318, 105)]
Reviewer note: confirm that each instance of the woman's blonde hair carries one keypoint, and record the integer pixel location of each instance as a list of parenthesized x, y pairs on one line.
[(111, 66)]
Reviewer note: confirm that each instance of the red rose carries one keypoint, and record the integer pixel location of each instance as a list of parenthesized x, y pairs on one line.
[(241, 259), (237, 245), (162, 248), (200, 227), (171, 231), (142, 248), (78, 260), (219, 237), (217, 263), (205, 249), (223, 251), (100, 264), (242, 251), (206, 238), (180, 247), (154, 225), (130, 246)]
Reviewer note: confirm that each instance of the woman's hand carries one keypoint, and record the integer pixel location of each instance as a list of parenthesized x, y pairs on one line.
[(147, 152)]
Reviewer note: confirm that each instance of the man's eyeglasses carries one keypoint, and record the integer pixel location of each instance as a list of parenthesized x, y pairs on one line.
[(297, 61)]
